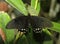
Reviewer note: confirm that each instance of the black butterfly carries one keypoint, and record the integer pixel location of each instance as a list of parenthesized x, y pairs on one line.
[(22, 23)]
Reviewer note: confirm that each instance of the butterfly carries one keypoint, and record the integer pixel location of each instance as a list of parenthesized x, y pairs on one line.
[(22, 23)]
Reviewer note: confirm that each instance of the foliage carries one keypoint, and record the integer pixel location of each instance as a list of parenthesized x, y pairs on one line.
[(4, 19), (19, 5)]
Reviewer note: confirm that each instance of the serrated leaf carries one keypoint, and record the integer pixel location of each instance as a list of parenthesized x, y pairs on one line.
[(19, 5)]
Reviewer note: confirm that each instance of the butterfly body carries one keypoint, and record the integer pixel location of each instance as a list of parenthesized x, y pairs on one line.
[(22, 23)]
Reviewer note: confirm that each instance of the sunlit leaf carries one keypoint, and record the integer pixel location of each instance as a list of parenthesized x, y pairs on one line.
[(4, 19), (32, 11), (19, 5), (36, 5)]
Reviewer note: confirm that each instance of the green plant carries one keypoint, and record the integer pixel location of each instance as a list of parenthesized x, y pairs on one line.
[(19, 5), (4, 19)]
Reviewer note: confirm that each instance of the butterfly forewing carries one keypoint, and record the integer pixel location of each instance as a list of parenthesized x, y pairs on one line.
[(19, 23), (11, 25), (39, 23)]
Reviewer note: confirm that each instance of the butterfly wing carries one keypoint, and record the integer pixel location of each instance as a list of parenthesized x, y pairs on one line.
[(18, 23), (11, 25), (38, 23)]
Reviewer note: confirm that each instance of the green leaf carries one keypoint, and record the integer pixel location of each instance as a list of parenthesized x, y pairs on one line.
[(4, 19), (56, 27), (36, 5), (32, 11), (47, 32), (19, 5), (23, 40), (48, 42)]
